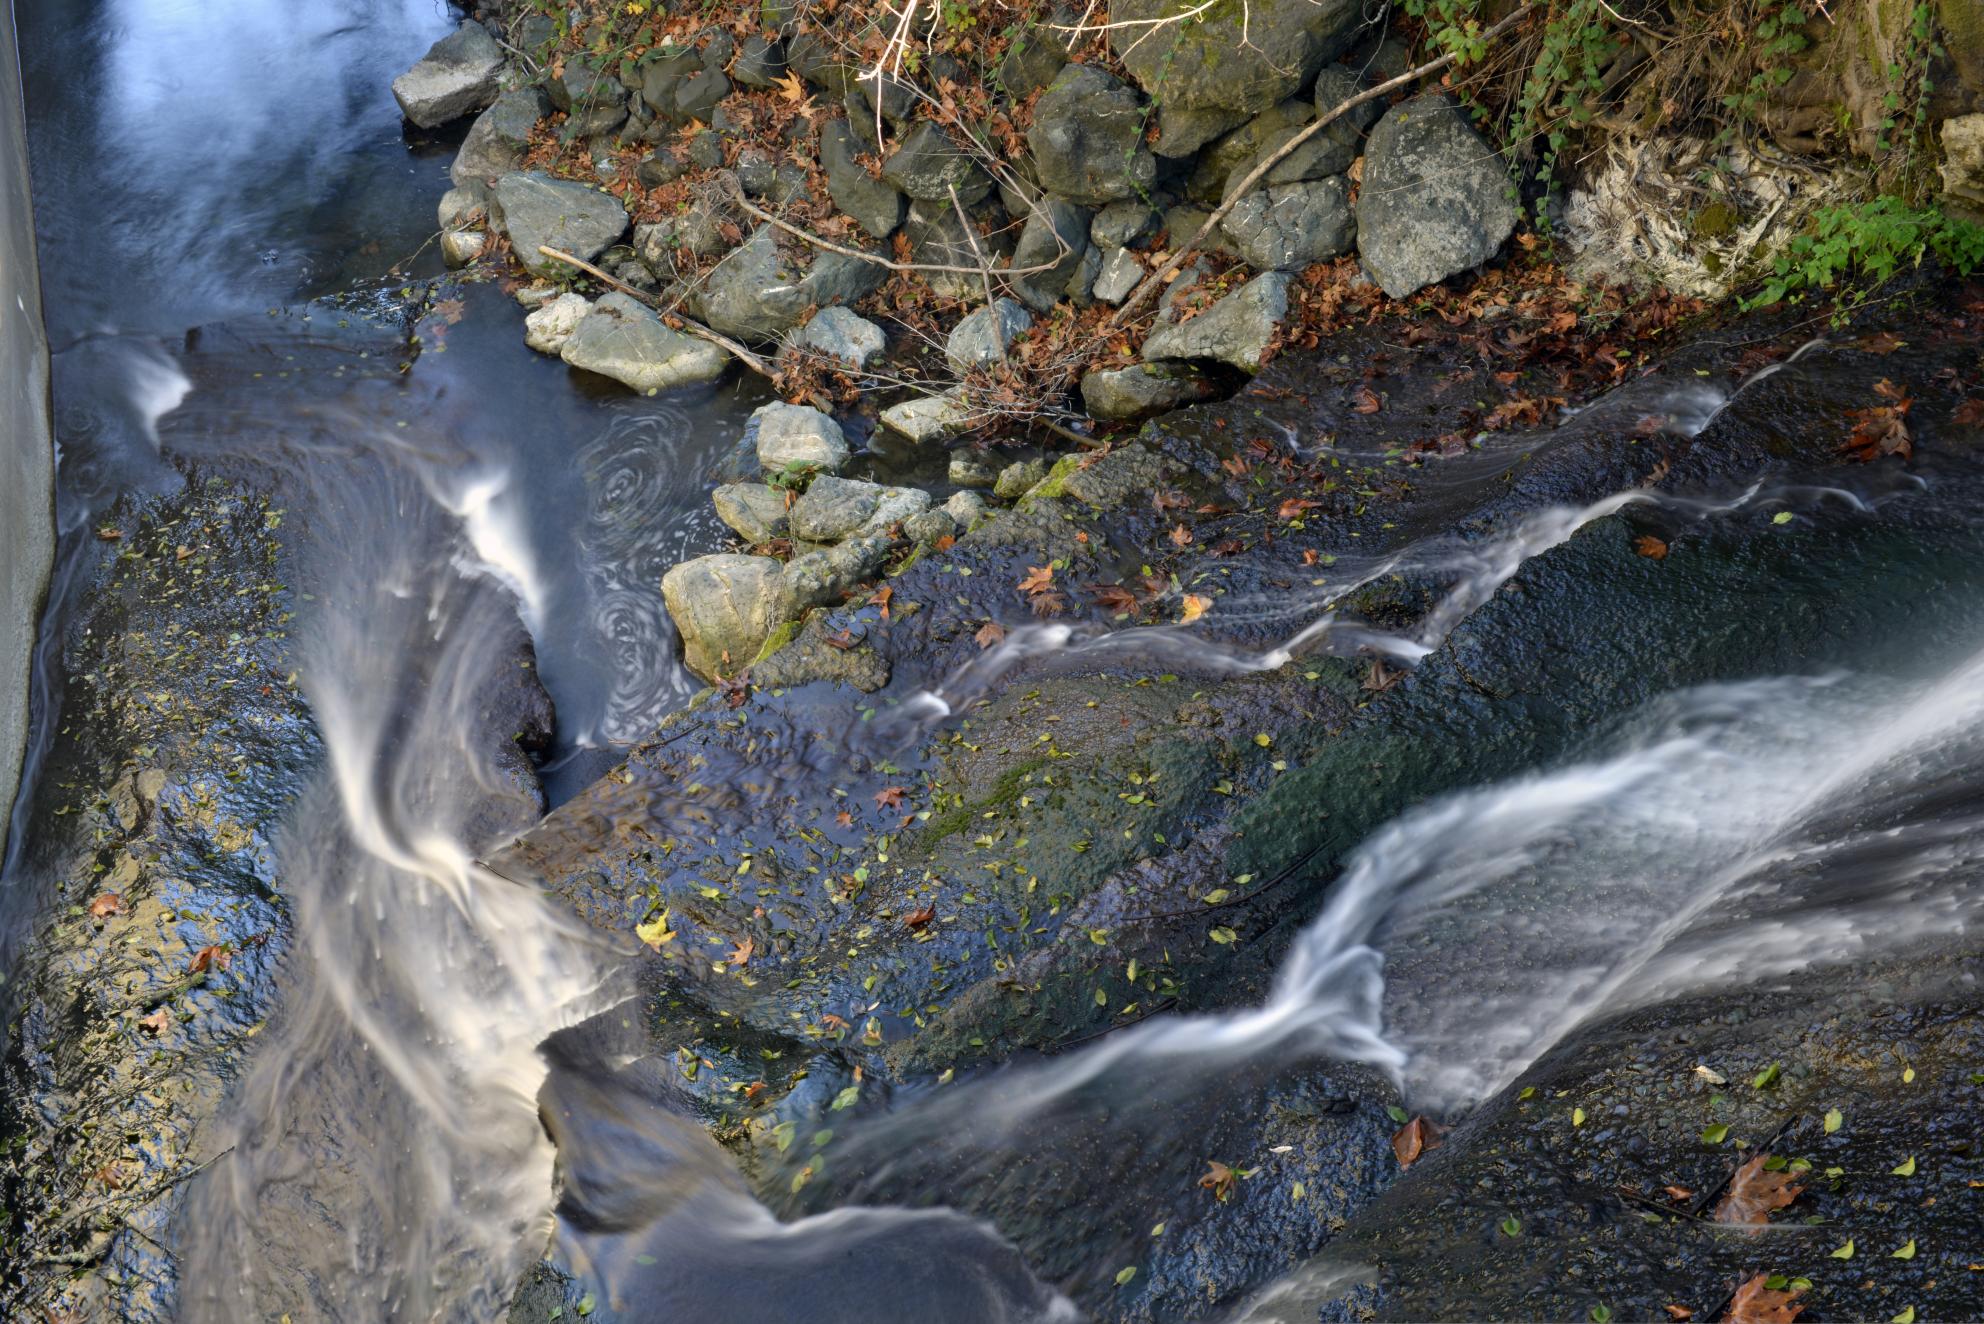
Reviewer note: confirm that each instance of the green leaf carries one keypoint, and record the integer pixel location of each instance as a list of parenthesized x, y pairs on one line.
[(1834, 1120), (1716, 1134), (1905, 1317), (1398, 1114), (1222, 935), (1782, 516), (1528, 1092), (1601, 1315), (586, 1304), (1766, 1078), (1905, 1253), (1123, 1276), (846, 1098), (1906, 1168), (1844, 1252), (1577, 1117), (1511, 1226)]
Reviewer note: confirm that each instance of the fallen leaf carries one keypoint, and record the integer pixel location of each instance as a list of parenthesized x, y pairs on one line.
[(989, 634), (791, 87), (1181, 536), (1650, 547), (1678, 1194), (741, 953), (1969, 414), (1881, 429), (1754, 1192), (109, 533), (1364, 400), (1038, 579), (882, 597), (1114, 598), (1881, 342), (1678, 1312), (1195, 606), (833, 1022), (1218, 1179), (1755, 1303), (916, 919), (844, 818), (1712, 1077), (1294, 506), (1413, 1139), (211, 958), (1381, 677), (110, 903), (158, 1022), (890, 797), (841, 640)]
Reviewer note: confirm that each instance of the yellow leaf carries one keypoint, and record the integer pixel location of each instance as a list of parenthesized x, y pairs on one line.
[(1195, 607), (791, 87), (656, 931), (1906, 1168), (1905, 1253)]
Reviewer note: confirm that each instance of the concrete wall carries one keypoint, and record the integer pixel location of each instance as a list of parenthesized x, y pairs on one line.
[(27, 454)]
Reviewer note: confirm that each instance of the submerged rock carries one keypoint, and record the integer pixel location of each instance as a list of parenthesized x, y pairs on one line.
[(816, 654), (536, 210), (1019, 478), (756, 512), (1088, 139), (1237, 330), (844, 335), (549, 327), (1292, 225), (625, 340), (498, 139), (724, 606), (968, 470), (1435, 197), (983, 336), (798, 435), (456, 77)]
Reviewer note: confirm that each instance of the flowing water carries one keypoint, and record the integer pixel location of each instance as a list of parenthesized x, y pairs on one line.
[(472, 513)]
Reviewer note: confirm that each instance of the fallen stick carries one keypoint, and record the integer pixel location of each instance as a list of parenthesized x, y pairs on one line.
[(756, 362)]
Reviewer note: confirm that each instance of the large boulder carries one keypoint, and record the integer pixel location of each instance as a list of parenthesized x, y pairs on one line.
[(928, 165), (1290, 226), (1140, 390), (982, 337), (725, 607), (1236, 331), (817, 579), (755, 512), (754, 294), (1233, 59), (1435, 197), (623, 339), (797, 435), (875, 206), (837, 508), (456, 77), (1088, 139), (1963, 160), (498, 139), (536, 210), (1055, 237)]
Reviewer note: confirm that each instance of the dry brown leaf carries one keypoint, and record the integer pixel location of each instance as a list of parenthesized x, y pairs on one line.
[(989, 634), (1414, 1139), (890, 797), (1195, 606), (1756, 1304), (881, 598), (110, 903), (1114, 598), (917, 918), (1969, 414), (741, 953), (211, 958), (1650, 547), (1754, 1192), (1038, 579), (1181, 536), (158, 1022), (1364, 400), (1678, 1311), (1381, 677), (1218, 1179)]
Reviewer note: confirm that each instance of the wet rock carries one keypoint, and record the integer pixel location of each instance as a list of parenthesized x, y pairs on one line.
[(929, 526), (928, 419), (1055, 237), (549, 328), (816, 653), (1121, 224), (1237, 58), (1118, 478), (661, 167), (1019, 478), (755, 295), (754, 511), (1119, 275), (760, 62), (837, 508), (461, 208), (1236, 331), (984, 335), (968, 470), (1963, 158), (1087, 139), (798, 435), (819, 578), (967, 508), (724, 606), (1140, 391), (1435, 197), (1292, 225), (876, 206), (461, 247), (456, 77), (844, 335), (500, 136), (625, 340), (928, 165), (534, 209), (537, 294)]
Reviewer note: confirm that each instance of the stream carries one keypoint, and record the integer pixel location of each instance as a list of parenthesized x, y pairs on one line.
[(450, 1079)]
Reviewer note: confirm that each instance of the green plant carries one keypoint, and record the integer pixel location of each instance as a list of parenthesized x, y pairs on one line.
[(1850, 250)]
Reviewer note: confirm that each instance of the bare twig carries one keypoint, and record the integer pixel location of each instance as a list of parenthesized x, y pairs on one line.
[(756, 362), (971, 237), (1158, 279)]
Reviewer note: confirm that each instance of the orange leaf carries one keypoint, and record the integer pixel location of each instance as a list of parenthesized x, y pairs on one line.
[(1650, 547), (1364, 400), (989, 634), (882, 597), (1756, 1304), (890, 797), (211, 958), (844, 818), (1413, 1139), (1195, 607), (1754, 1192), (1678, 1312), (158, 1022), (741, 953), (1181, 536), (1218, 1179), (110, 903), (1038, 579), (916, 919)]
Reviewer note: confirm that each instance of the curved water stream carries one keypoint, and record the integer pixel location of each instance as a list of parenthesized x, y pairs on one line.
[(471, 514)]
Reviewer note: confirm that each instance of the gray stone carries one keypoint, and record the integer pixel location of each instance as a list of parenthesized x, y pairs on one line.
[(928, 419), (1435, 197), (1140, 391), (1335, 85), (594, 102), (1120, 274), (1055, 236), (706, 150), (1019, 478), (725, 607), (1182, 132), (1031, 61), (1963, 158), (498, 139), (1183, 221), (456, 77), (754, 511), (754, 170), (818, 652), (537, 294), (697, 227), (696, 96), (967, 470), (624, 340), (1081, 285), (760, 62), (1118, 477), (930, 526), (1087, 139), (928, 165), (899, 506), (1235, 57), (1290, 226), (1121, 224), (937, 237), (983, 336), (822, 577), (549, 328), (661, 167), (662, 73), (1237, 330), (875, 206), (753, 295), (843, 335), (461, 247), (534, 209), (880, 90), (463, 207), (1217, 164), (967, 508), (832, 508), (813, 58), (798, 435)]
